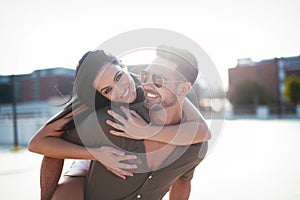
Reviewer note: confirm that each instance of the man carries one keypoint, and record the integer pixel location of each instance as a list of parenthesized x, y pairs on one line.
[(166, 81)]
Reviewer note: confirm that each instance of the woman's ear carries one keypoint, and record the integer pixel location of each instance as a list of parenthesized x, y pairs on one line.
[(184, 88)]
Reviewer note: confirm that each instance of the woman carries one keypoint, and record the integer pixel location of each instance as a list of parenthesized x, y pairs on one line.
[(118, 85)]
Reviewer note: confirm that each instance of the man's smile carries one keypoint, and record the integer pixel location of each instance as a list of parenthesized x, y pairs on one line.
[(152, 95)]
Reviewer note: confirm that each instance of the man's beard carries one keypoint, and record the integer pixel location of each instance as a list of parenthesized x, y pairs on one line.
[(163, 104), (169, 102)]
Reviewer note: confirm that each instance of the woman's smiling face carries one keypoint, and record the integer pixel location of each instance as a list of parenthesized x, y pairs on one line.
[(116, 84)]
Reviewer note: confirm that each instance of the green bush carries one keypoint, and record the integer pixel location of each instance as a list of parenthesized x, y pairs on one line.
[(292, 89)]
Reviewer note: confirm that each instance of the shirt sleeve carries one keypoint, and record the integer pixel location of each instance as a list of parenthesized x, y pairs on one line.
[(188, 175), (72, 136)]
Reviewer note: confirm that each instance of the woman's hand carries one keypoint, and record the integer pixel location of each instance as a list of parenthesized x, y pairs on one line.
[(135, 127), (111, 158)]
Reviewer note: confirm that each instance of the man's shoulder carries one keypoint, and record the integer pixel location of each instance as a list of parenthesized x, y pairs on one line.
[(95, 116), (141, 110)]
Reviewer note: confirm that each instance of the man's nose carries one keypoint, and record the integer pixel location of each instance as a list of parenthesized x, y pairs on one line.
[(148, 85)]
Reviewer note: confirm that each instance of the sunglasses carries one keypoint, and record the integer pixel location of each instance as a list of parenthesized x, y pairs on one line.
[(157, 80)]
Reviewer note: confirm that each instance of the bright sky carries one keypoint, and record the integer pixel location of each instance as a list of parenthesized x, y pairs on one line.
[(39, 34)]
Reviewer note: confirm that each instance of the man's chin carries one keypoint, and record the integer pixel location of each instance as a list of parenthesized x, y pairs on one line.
[(153, 106), (147, 104)]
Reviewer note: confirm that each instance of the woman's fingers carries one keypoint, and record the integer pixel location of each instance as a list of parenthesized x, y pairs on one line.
[(126, 111), (115, 125), (114, 151), (133, 113), (125, 135), (128, 157), (125, 173), (127, 166), (117, 116), (118, 133), (121, 173)]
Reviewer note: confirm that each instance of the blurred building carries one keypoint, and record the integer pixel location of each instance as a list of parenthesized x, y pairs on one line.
[(37, 98), (40, 85), (270, 74)]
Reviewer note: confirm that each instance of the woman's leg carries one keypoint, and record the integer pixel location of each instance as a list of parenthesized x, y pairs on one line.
[(70, 188)]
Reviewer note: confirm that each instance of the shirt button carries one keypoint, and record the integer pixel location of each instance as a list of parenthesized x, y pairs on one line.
[(139, 196), (150, 177)]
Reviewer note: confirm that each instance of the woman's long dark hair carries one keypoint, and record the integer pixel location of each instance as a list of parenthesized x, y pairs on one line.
[(84, 94)]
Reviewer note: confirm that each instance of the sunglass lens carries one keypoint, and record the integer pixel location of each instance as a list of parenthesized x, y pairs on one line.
[(157, 80)]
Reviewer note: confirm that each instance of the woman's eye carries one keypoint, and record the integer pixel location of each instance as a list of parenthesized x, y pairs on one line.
[(118, 77), (107, 90)]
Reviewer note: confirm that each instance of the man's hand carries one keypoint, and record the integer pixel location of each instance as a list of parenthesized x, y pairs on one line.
[(111, 158)]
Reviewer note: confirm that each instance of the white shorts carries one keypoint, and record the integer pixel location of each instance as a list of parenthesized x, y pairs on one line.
[(79, 168)]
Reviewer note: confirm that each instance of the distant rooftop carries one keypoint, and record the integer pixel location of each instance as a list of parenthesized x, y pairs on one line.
[(54, 71), (289, 63), (245, 62)]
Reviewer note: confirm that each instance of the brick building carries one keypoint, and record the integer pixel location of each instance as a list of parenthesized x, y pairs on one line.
[(269, 73)]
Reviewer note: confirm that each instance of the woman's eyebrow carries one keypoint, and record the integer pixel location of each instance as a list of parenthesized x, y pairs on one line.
[(115, 78)]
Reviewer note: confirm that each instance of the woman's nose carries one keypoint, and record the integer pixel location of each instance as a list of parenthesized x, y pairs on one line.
[(120, 88)]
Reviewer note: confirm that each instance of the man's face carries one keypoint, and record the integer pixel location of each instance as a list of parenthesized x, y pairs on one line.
[(160, 84)]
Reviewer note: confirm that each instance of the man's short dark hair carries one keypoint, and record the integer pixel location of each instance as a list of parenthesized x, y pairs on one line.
[(187, 64)]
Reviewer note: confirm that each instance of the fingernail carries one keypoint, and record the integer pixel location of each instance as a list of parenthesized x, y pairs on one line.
[(109, 111)]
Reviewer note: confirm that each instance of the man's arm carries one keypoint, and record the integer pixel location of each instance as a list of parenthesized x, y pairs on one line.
[(180, 190), (51, 169)]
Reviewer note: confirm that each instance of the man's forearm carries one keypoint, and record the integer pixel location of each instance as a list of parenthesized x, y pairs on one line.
[(180, 190), (51, 169)]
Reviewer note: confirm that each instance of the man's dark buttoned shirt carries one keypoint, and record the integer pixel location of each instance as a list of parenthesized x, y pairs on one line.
[(145, 184)]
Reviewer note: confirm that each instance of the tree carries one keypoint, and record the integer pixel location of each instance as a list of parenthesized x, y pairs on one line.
[(292, 89), (5, 93), (250, 92)]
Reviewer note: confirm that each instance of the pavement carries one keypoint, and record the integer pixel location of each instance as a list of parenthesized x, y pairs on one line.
[(19, 174), (254, 159)]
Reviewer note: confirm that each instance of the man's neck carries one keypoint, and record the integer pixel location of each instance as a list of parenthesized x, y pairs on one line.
[(167, 116), (158, 152)]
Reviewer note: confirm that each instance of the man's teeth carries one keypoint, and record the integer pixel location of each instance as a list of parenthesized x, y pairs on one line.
[(151, 95)]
